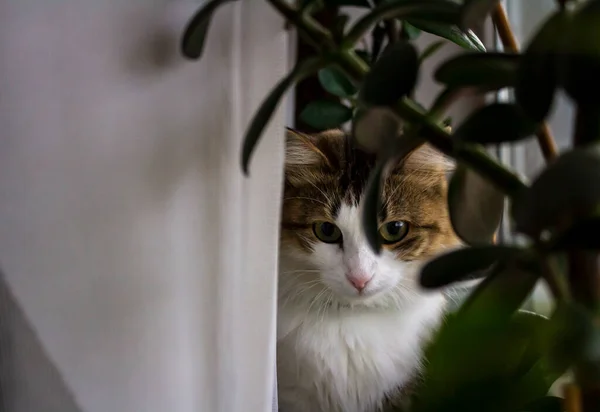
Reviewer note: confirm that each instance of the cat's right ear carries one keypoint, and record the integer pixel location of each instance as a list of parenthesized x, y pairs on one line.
[(302, 150), (302, 157)]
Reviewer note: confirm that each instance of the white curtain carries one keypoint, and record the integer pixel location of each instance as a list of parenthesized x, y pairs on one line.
[(142, 259)]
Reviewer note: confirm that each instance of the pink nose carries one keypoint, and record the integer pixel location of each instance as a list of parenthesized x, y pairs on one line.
[(359, 281)]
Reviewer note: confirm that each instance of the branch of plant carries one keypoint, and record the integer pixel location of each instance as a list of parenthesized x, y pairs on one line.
[(509, 41), (435, 133), (314, 33)]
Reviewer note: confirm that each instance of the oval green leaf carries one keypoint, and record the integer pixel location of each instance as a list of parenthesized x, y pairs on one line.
[(537, 76), (375, 128), (466, 39), (473, 368), (325, 114), (474, 12), (392, 77), (462, 264), (475, 207), (396, 150), (509, 125), (582, 235), (581, 55), (430, 10), (336, 82), (568, 190), (268, 106), (194, 35), (487, 71), (410, 32)]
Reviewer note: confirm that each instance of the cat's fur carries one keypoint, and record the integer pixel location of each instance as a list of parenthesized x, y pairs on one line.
[(338, 351)]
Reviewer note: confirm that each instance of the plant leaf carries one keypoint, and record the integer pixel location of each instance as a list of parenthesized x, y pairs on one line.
[(194, 35), (375, 128), (487, 71), (431, 49), (582, 235), (355, 3), (475, 206), (566, 191), (474, 12), (477, 368), (395, 150), (536, 79), (510, 125), (412, 33), (546, 404), (463, 263), (504, 291), (581, 58), (463, 38), (325, 114), (430, 10), (268, 106), (393, 76)]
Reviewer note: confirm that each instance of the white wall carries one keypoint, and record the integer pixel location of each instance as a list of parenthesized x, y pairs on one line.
[(142, 257)]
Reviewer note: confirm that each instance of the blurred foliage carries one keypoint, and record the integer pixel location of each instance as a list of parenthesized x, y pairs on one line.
[(490, 355)]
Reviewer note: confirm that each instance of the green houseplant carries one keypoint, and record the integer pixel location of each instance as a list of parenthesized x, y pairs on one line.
[(490, 355)]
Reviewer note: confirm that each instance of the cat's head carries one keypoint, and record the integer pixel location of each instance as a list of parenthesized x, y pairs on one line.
[(323, 247)]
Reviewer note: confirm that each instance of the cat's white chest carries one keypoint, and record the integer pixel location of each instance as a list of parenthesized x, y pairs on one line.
[(345, 361)]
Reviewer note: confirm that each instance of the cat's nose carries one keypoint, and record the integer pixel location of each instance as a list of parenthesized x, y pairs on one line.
[(359, 280)]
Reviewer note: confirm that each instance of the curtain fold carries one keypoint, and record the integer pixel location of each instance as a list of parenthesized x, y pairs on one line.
[(137, 258)]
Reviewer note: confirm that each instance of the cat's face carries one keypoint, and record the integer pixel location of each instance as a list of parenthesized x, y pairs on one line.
[(324, 253)]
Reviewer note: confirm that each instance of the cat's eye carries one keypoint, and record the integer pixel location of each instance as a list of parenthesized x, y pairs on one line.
[(393, 232), (327, 232)]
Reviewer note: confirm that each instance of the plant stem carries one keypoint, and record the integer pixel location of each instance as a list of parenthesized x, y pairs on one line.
[(509, 41)]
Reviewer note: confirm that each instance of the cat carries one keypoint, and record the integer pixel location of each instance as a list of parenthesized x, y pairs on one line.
[(351, 324)]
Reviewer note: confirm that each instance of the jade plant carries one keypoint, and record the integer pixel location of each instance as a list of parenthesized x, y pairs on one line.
[(490, 354)]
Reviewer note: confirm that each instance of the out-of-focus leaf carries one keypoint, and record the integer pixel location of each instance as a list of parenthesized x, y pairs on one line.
[(546, 404), (510, 125), (268, 106), (355, 3), (581, 235), (483, 366), (463, 38), (336, 82), (431, 10), (324, 114), (503, 292), (412, 33), (474, 12), (375, 128), (581, 56), (393, 76), (339, 26), (475, 206), (568, 190), (464, 263), (396, 150), (194, 35), (377, 39), (431, 49), (536, 79), (487, 71), (365, 55)]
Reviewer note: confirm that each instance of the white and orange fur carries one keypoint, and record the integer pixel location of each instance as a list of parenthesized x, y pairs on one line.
[(343, 348)]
